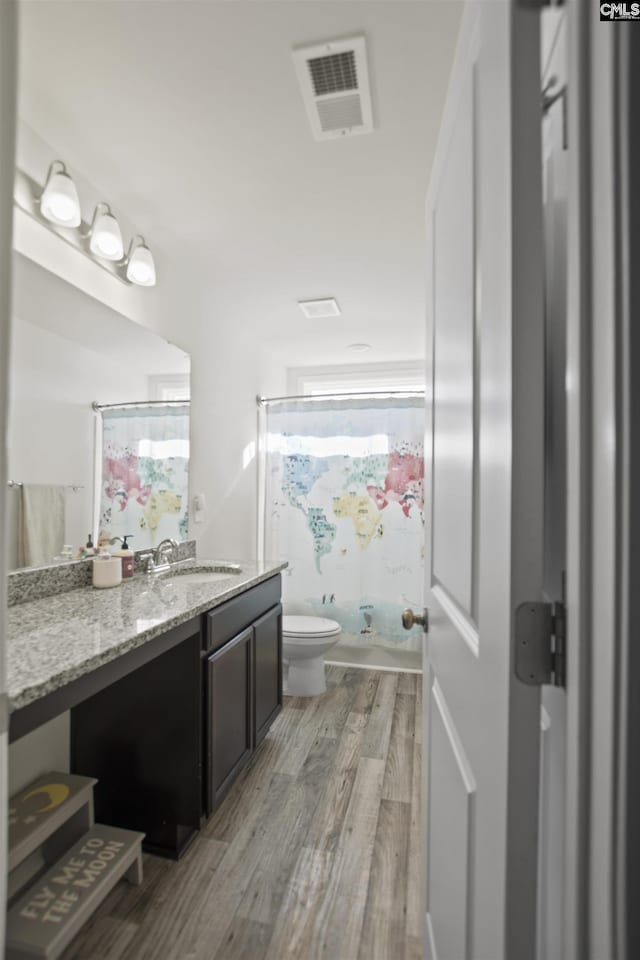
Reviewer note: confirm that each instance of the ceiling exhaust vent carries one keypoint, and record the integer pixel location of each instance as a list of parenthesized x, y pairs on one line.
[(334, 80), (319, 309)]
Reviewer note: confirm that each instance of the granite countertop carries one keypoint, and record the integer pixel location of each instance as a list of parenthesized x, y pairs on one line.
[(57, 639)]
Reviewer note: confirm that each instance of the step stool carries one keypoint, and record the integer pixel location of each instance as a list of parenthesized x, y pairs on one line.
[(83, 862), (45, 919), (58, 807)]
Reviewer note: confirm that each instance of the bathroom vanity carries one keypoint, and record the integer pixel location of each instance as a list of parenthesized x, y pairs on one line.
[(171, 683)]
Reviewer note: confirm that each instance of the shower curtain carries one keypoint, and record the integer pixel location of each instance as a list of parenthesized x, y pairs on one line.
[(145, 473), (344, 504)]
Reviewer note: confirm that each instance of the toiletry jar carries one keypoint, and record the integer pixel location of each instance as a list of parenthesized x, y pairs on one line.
[(107, 572)]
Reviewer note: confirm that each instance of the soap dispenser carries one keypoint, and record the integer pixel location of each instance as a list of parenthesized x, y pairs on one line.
[(127, 555)]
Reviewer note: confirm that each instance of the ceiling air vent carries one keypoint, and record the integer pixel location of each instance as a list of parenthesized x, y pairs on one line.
[(334, 80), (319, 309)]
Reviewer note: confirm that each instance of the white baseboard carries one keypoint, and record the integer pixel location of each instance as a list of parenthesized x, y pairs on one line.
[(369, 666)]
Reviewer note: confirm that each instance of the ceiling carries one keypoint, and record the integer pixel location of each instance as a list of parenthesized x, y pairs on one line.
[(188, 116)]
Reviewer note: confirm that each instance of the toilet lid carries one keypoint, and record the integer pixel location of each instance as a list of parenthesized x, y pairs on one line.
[(309, 626)]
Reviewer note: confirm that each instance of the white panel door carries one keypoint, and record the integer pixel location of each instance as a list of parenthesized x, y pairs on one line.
[(485, 421)]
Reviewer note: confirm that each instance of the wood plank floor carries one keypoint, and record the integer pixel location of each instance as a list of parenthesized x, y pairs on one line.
[(313, 854)]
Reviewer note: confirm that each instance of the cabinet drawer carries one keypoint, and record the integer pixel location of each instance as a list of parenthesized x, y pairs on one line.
[(230, 618)]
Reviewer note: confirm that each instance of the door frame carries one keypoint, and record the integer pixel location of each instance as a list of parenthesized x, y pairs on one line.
[(612, 203), (599, 457), (627, 838), (8, 100), (578, 582)]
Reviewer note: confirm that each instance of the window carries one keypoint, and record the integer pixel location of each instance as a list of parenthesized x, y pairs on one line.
[(170, 386), (359, 378)]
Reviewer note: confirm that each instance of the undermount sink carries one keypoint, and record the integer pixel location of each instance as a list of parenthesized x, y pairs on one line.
[(204, 573)]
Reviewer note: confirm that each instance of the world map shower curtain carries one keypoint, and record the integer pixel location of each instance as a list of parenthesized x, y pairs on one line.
[(345, 506), (144, 488)]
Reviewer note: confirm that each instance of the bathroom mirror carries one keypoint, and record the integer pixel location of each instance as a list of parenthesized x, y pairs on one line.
[(75, 471)]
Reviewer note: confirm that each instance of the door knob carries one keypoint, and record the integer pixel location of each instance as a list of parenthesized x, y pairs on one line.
[(410, 619)]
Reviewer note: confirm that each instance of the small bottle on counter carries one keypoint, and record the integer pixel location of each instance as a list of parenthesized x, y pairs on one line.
[(89, 547), (127, 555), (107, 570)]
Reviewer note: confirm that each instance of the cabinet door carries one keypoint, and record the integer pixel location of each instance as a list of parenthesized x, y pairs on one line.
[(229, 714), (268, 670)]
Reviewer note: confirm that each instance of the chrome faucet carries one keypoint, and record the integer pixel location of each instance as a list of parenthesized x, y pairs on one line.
[(157, 561), (160, 560), (161, 549)]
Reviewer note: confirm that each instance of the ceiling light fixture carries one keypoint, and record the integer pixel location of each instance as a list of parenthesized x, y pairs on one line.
[(59, 202), (141, 268), (359, 347), (105, 234)]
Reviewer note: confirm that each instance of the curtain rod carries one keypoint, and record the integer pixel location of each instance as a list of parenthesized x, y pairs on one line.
[(139, 403), (346, 393), (69, 486)]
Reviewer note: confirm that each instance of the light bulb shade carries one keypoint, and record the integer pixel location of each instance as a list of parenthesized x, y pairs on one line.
[(60, 202), (106, 236), (141, 269)]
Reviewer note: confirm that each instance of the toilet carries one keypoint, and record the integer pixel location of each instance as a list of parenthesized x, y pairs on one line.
[(305, 640)]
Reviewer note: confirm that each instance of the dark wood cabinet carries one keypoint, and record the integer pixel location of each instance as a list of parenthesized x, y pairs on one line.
[(242, 683), (169, 727), (267, 666), (229, 713), (141, 737)]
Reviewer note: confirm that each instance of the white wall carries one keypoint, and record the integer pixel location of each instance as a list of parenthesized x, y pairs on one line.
[(273, 375), (45, 748), (223, 425), (228, 372)]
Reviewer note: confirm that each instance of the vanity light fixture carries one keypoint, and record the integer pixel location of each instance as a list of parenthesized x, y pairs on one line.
[(57, 205), (141, 268), (59, 202), (105, 234)]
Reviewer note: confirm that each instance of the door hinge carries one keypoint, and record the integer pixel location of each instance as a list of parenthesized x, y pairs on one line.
[(540, 639)]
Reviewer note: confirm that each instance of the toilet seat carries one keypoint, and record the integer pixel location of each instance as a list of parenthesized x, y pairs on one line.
[(303, 628)]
